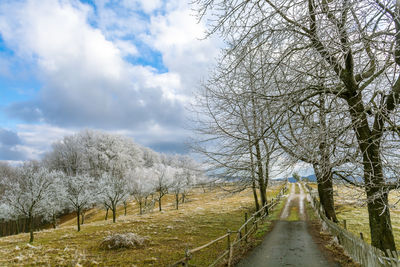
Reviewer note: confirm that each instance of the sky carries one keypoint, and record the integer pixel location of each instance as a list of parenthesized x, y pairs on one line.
[(124, 66)]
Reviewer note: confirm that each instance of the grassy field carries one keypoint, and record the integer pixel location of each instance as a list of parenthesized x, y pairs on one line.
[(204, 217), (350, 205)]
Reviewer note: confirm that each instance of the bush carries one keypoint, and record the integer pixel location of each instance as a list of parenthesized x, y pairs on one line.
[(127, 240)]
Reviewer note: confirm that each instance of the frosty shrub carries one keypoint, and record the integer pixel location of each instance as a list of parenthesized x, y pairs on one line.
[(127, 240)]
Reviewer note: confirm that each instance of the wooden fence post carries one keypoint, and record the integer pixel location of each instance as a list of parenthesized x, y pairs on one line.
[(228, 239), (187, 257), (245, 227), (229, 248)]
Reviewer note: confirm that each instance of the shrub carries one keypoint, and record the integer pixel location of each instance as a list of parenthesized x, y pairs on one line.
[(127, 240)]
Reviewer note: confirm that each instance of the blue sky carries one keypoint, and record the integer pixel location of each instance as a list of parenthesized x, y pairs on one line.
[(128, 67)]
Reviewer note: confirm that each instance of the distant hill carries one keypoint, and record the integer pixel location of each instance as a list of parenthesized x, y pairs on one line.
[(311, 178)]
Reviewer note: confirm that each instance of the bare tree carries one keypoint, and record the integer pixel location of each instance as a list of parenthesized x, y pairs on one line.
[(353, 41), (26, 195)]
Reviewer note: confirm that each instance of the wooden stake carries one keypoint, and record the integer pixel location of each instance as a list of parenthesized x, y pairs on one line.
[(245, 227)]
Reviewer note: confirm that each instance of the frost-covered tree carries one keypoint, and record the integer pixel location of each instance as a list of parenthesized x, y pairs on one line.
[(140, 184), (109, 153), (56, 200), (178, 184), (112, 191), (162, 181), (28, 195), (150, 157), (66, 156), (189, 170), (95, 153), (81, 193)]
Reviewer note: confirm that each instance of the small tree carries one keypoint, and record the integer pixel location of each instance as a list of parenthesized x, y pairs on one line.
[(80, 193), (55, 200), (162, 181), (296, 176), (113, 190), (178, 185), (27, 196), (140, 185)]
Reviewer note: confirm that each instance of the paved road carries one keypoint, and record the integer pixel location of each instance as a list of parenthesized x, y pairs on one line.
[(289, 243)]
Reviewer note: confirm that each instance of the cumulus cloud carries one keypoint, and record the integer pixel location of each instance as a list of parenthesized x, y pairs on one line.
[(177, 35), (86, 82), (9, 146), (84, 57)]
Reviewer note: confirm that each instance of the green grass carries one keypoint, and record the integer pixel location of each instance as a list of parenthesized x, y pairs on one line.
[(294, 214), (205, 217), (310, 211), (350, 206), (296, 189)]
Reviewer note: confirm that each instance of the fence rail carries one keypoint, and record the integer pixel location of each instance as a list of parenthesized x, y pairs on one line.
[(250, 226), (355, 247)]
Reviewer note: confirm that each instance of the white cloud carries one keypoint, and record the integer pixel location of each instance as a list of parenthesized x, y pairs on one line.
[(36, 139), (126, 48), (177, 36), (148, 6), (87, 82)]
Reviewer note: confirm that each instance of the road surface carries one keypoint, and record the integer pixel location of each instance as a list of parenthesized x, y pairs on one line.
[(289, 243)]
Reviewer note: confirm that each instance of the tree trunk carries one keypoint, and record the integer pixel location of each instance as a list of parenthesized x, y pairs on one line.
[(324, 170), (177, 200), (106, 214), (17, 226), (30, 228), (325, 192), (253, 187), (253, 175), (125, 207), (266, 180), (377, 195), (78, 213), (54, 221), (83, 217), (114, 212), (140, 208), (260, 172), (159, 203)]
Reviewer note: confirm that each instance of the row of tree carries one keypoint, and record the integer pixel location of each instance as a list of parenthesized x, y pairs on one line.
[(92, 169), (315, 81)]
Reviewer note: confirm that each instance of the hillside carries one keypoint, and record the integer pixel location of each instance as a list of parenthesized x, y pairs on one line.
[(204, 217)]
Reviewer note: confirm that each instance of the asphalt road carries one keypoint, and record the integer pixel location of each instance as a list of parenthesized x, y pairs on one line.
[(288, 244)]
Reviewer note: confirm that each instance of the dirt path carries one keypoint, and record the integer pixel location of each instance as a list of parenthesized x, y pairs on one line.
[(289, 243)]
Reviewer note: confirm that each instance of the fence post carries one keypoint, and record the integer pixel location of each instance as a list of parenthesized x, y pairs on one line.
[(345, 224), (245, 227), (187, 258), (229, 248), (229, 239)]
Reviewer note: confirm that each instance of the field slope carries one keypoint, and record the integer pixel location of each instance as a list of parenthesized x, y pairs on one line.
[(203, 218)]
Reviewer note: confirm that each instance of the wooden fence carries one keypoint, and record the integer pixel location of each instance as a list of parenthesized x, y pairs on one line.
[(249, 227), (355, 247)]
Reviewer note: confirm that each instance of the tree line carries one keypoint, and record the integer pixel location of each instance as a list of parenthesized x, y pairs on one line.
[(91, 169)]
